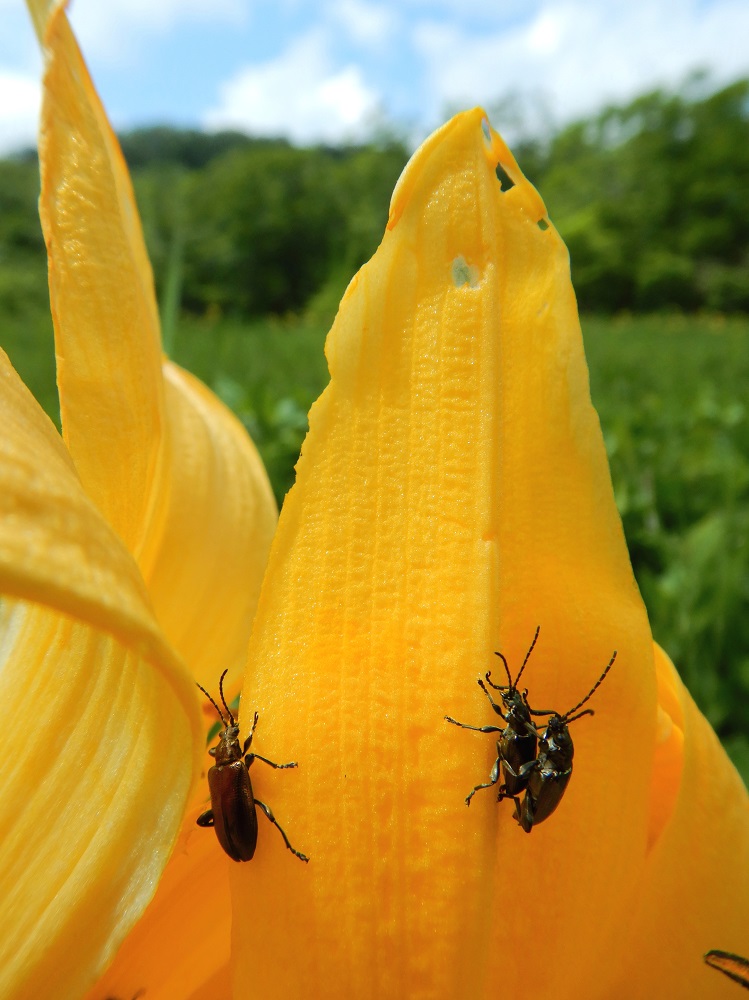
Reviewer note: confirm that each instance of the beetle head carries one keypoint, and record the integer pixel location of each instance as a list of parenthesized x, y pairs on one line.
[(516, 707), (227, 749), (556, 741)]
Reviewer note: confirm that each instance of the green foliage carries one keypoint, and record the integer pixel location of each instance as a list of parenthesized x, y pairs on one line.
[(23, 263), (269, 373), (262, 231), (186, 148), (652, 200), (671, 394), (269, 226)]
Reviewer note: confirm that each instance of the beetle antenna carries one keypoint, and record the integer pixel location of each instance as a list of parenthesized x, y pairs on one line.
[(507, 671), (527, 657), (221, 714), (574, 718), (221, 689), (592, 690)]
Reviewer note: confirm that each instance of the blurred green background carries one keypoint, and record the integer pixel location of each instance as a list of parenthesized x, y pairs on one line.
[(253, 243)]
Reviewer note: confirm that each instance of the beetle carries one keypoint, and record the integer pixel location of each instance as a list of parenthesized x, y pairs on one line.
[(549, 774), (232, 813), (733, 966), (516, 746)]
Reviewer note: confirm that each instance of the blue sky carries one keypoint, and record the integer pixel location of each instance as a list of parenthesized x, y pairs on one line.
[(334, 69)]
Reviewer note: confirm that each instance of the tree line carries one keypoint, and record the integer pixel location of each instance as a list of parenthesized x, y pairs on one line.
[(651, 197)]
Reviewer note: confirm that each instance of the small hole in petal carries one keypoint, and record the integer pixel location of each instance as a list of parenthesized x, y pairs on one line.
[(486, 129), (543, 225), (465, 273), (506, 182)]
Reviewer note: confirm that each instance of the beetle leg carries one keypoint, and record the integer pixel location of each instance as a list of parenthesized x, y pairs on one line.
[(495, 706), (476, 729), (494, 776), (249, 738), (524, 770), (524, 815), (504, 794), (206, 818), (490, 682), (274, 821), (266, 761)]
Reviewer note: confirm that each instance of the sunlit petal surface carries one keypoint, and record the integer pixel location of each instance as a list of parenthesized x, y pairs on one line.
[(101, 290), (101, 719), (168, 465), (453, 494), (695, 880), (180, 947), (210, 536)]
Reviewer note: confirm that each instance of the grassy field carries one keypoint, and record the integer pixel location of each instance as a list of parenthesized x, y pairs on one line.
[(671, 394)]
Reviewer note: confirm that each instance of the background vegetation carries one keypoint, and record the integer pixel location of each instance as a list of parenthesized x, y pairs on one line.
[(253, 243)]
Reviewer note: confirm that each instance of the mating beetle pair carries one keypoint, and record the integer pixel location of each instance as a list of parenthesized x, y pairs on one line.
[(538, 766), (232, 813)]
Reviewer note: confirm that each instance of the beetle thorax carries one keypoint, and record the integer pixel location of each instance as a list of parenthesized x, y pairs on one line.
[(228, 749), (516, 709), (558, 742)]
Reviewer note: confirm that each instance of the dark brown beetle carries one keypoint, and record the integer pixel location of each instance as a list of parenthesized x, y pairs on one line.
[(549, 774), (516, 746), (733, 966), (232, 813)]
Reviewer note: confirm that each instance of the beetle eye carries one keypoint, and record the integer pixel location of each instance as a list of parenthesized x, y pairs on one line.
[(212, 751)]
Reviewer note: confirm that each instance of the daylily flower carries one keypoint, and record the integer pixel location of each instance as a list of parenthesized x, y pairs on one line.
[(128, 554), (452, 495)]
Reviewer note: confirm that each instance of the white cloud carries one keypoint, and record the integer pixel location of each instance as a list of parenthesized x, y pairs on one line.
[(113, 30), (20, 98), (299, 94), (369, 25), (582, 54)]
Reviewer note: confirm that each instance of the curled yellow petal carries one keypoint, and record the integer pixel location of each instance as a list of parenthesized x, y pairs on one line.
[(209, 539), (101, 291), (452, 495), (695, 880), (102, 718), (180, 947), (54, 547), (166, 463)]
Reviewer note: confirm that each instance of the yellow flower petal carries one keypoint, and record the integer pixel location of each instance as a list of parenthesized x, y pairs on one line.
[(453, 493), (179, 950), (101, 290), (100, 714), (168, 465), (694, 889), (204, 560), (54, 547)]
